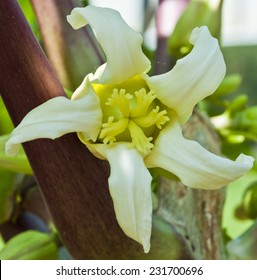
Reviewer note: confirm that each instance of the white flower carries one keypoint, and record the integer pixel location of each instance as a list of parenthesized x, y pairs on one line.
[(133, 120)]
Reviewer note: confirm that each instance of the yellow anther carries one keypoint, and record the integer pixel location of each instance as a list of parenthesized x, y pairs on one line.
[(112, 129), (140, 141), (153, 118), (143, 101), (121, 100), (130, 114)]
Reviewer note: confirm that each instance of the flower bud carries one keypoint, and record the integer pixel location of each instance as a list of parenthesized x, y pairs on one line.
[(238, 104), (228, 85), (197, 13)]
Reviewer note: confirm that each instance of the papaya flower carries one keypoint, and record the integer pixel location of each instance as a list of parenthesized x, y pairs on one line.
[(134, 121)]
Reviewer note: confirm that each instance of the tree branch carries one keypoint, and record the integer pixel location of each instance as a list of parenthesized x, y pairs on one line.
[(195, 214)]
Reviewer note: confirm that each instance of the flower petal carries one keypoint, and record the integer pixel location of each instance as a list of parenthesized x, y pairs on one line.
[(195, 166), (130, 188), (193, 78), (57, 117), (121, 44)]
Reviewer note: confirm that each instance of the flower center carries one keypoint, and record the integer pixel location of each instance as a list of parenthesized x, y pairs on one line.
[(130, 113)]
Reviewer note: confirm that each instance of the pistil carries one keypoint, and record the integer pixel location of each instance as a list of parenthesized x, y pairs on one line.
[(132, 116)]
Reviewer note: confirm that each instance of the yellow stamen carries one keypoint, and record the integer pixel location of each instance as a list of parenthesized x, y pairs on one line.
[(153, 118), (121, 100), (112, 129), (143, 101), (140, 141), (130, 114)]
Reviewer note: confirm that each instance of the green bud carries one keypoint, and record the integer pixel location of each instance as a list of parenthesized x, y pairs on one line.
[(238, 104), (197, 13), (251, 113), (246, 120), (30, 245), (228, 85)]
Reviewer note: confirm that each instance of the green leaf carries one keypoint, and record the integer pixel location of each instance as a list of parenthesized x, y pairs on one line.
[(2, 243), (6, 125), (7, 180), (18, 164), (30, 245)]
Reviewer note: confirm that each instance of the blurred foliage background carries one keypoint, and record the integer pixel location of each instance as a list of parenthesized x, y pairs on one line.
[(25, 225)]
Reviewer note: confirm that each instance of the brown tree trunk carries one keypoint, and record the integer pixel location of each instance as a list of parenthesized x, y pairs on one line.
[(195, 214)]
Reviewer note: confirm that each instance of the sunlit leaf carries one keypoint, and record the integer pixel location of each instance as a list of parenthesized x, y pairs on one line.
[(6, 125), (17, 164), (30, 245), (2, 243)]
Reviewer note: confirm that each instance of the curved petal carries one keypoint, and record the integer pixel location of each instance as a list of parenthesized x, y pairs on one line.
[(121, 44), (57, 117), (193, 78), (195, 166), (130, 188)]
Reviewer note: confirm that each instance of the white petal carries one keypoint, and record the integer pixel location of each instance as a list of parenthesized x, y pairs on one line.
[(195, 166), (193, 78), (130, 188), (57, 117), (120, 43)]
